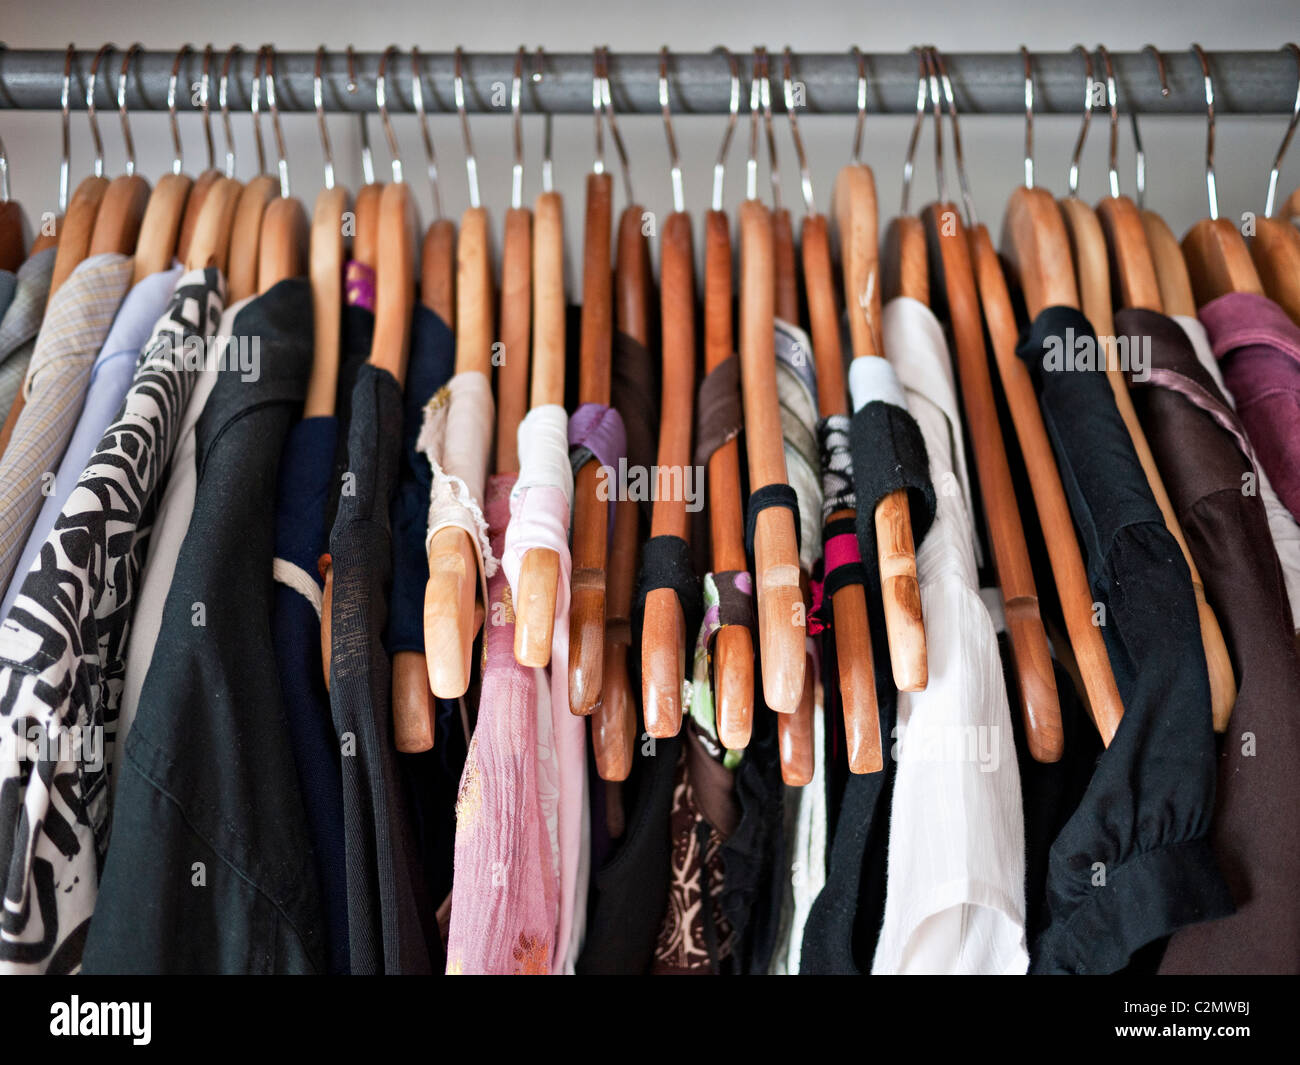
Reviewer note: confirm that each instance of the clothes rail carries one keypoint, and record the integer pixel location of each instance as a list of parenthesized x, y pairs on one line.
[(1260, 82)]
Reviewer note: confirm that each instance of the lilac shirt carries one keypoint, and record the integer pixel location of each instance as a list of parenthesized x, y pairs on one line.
[(1258, 347), (110, 378)]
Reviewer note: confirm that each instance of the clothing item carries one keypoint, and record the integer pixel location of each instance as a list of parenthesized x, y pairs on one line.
[(110, 377), (1133, 863), (1282, 526), (303, 488), (63, 650), (204, 873), (505, 900), (8, 282), (1259, 348), (796, 389), (1255, 835), (954, 897), (389, 918), (171, 521), (21, 322), (72, 332)]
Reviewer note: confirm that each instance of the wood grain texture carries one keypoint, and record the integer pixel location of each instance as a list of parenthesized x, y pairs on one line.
[(160, 230), (514, 333), (1171, 270), (121, 212), (1275, 249), (1031, 654), (1218, 261)]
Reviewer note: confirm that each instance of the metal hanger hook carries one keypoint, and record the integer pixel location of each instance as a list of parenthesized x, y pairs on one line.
[(932, 78), (430, 160), (222, 103), (1088, 82), (1112, 102), (968, 200), (1286, 140), (755, 102), (1211, 186), (205, 98), (367, 156), (281, 163), (773, 170), (65, 159), (1139, 154), (318, 98), (178, 153), (733, 115), (471, 163), (805, 175), (861, 124), (909, 159), (1029, 117), (90, 109), (381, 101), (121, 107), (548, 184), (674, 162), (255, 108), (607, 105), (517, 131)]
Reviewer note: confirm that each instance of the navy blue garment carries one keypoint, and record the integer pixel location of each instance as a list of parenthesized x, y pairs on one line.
[(1133, 864), (210, 865), (306, 474)]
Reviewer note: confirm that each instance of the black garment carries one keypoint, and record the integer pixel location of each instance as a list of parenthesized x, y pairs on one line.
[(1133, 863), (354, 349), (210, 865), (629, 892), (386, 894)]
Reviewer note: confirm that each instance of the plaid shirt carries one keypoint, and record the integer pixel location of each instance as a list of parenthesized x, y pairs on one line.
[(21, 323), (75, 325)]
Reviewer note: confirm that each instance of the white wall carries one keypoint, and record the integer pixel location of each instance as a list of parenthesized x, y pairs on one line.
[(1175, 145)]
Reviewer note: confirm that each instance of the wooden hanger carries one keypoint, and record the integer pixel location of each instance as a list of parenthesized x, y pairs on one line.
[(1035, 240), (414, 722), (733, 646), (539, 571), (121, 212), (1137, 287), (1026, 635), (282, 244), (905, 270), (77, 226), (1275, 246), (614, 720), (209, 220), (394, 281), (207, 179), (781, 620), (664, 638), (256, 195), (1291, 209), (1218, 260), (854, 207), (452, 613)]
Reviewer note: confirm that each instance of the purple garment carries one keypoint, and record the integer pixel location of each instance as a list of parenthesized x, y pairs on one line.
[(1258, 347), (597, 432), (110, 378)]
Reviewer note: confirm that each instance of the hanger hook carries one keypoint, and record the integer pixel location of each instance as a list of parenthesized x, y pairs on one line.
[(1112, 102), (281, 163), (381, 101), (547, 169), (1139, 154), (1088, 83), (909, 160), (940, 171), (222, 103), (417, 101), (178, 153), (318, 98), (773, 170), (64, 96), (1286, 141), (517, 131), (4, 165), (367, 156), (255, 108), (1211, 187), (607, 104), (861, 124), (121, 108), (733, 114), (90, 109), (674, 163), (598, 155), (751, 160), (1029, 117), (471, 162), (968, 200), (805, 175), (205, 96)]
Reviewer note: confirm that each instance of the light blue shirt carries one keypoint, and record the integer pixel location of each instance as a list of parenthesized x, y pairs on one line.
[(110, 379)]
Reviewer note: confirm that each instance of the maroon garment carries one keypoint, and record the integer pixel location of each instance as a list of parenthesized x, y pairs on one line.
[(1255, 830), (1258, 347)]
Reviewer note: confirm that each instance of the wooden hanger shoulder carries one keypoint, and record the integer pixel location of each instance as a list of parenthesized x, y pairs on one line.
[(1218, 261), (1036, 244), (1131, 262), (121, 212), (77, 229), (1275, 249), (245, 237), (159, 239), (1171, 269)]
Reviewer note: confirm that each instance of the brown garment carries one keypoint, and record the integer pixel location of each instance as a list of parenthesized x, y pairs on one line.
[(695, 938), (1197, 443)]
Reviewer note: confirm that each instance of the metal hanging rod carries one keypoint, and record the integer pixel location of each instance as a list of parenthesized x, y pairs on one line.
[(1261, 82)]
